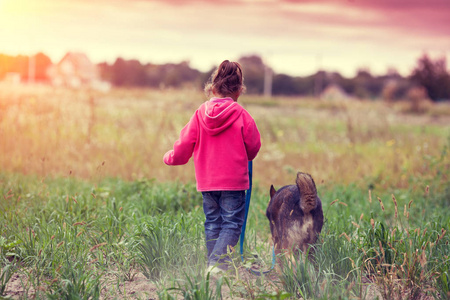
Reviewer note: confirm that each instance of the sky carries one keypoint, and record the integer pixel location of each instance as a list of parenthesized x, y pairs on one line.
[(293, 37)]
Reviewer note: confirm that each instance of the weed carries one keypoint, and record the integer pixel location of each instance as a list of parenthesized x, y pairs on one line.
[(167, 244), (75, 279), (194, 288), (7, 270)]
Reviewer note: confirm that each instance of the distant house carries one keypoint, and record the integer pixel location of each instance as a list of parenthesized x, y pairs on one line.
[(334, 92), (75, 70), (12, 78)]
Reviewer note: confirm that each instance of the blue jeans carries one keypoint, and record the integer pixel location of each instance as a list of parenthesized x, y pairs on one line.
[(225, 213)]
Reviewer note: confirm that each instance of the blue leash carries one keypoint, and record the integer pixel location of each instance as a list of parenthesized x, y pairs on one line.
[(242, 238)]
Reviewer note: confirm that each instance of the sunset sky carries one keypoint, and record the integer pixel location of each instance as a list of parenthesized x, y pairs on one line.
[(294, 37)]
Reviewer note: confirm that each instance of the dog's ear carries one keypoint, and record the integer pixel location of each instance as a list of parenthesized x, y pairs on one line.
[(272, 191)]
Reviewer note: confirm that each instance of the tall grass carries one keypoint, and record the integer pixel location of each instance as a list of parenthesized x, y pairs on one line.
[(68, 245), (167, 245), (125, 133), (194, 288)]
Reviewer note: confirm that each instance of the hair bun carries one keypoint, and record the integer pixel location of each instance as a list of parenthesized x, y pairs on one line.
[(227, 80)]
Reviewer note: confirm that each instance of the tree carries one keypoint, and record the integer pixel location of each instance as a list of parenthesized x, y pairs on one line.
[(119, 72), (285, 85), (42, 63), (20, 64), (128, 73), (253, 68), (433, 76), (6, 64), (176, 75)]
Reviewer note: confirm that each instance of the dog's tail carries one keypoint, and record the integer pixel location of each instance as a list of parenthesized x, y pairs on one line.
[(308, 192)]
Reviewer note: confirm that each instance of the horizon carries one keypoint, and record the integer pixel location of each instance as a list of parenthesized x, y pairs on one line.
[(297, 38)]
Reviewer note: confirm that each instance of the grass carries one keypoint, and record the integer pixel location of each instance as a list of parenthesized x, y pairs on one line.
[(125, 134), (67, 248), (167, 244), (87, 206)]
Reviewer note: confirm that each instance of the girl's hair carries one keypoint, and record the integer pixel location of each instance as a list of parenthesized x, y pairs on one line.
[(226, 80)]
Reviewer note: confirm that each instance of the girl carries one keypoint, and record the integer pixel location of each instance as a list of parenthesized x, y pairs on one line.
[(223, 138)]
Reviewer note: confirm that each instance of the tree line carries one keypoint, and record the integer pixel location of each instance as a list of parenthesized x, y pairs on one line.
[(431, 75), (20, 64)]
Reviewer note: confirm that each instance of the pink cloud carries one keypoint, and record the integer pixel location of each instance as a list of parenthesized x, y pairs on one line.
[(347, 34)]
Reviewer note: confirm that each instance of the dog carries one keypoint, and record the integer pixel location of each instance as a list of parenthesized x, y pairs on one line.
[(295, 215)]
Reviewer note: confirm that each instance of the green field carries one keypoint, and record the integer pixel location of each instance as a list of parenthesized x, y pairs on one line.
[(88, 209)]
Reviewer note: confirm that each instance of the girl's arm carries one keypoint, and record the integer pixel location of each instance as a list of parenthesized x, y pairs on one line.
[(184, 146), (252, 139)]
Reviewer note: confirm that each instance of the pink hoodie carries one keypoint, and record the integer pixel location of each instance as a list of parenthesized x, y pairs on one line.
[(223, 137)]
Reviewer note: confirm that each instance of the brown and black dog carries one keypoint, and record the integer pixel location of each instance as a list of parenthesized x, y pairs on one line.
[(295, 215)]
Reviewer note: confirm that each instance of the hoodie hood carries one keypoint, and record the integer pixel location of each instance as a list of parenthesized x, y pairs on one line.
[(218, 114)]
